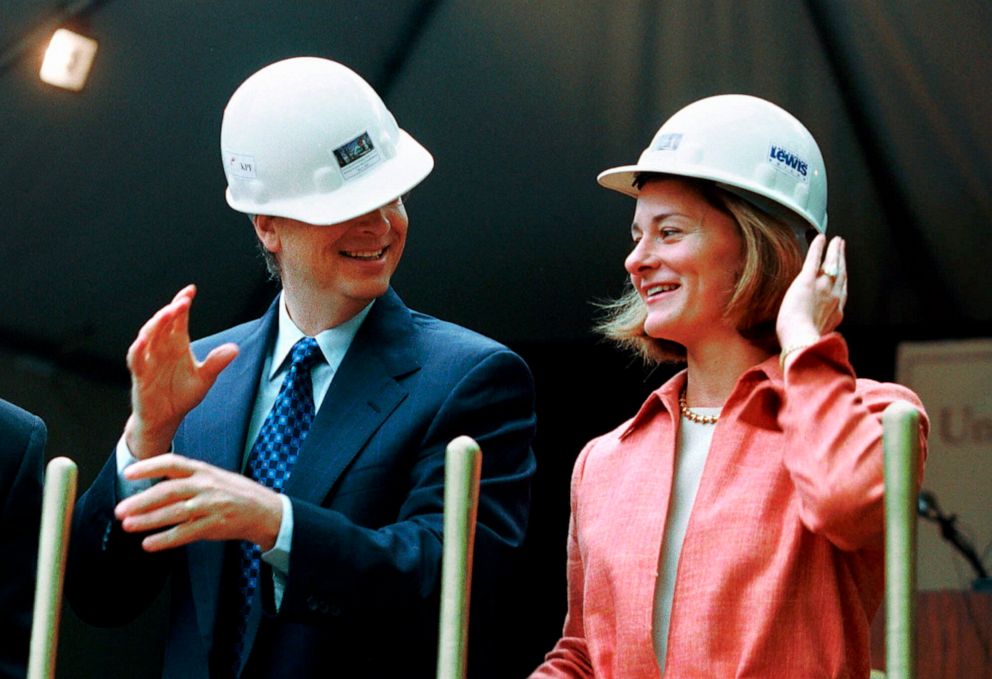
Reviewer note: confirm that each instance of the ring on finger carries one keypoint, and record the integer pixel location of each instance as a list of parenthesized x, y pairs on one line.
[(831, 271)]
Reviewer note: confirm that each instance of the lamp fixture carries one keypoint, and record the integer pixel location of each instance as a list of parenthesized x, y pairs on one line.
[(68, 60)]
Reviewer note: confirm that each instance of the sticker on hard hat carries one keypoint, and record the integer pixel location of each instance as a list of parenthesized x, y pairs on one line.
[(241, 166), (668, 142), (357, 157), (788, 162)]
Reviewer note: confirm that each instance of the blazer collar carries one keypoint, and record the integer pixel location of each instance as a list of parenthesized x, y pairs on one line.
[(665, 397), (752, 382)]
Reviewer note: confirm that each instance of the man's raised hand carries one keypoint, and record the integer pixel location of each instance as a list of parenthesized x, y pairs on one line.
[(166, 379)]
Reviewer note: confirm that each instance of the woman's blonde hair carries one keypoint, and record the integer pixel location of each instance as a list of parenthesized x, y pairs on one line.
[(773, 257)]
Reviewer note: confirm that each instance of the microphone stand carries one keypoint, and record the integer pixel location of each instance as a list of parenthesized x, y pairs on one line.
[(927, 508)]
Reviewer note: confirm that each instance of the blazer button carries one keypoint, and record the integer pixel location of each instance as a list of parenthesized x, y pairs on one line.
[(319, 606)]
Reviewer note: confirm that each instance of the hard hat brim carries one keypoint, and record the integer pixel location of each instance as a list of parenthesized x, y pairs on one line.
[(621, 179), (394, 177)]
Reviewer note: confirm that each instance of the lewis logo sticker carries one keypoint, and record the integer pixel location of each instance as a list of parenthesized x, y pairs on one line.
[(790, 163)]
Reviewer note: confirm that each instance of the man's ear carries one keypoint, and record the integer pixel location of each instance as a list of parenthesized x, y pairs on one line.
[(268, 234)]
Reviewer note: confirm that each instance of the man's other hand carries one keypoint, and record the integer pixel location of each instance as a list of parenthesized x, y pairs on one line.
[(197, 501)]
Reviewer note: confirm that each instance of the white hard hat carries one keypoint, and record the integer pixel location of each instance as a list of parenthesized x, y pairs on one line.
[(309, 139), (746, 145)]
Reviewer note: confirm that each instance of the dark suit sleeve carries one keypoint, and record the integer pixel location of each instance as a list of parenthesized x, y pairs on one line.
[(20, 500), (110, 579), (341, 569)]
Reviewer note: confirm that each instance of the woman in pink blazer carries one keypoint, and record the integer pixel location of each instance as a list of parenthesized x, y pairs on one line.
[(733, 527)]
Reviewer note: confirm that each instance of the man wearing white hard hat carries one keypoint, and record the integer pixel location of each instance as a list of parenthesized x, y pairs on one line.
[(297, 459)]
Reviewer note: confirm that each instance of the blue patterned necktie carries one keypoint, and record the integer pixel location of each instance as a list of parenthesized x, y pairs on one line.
[(271, 460)]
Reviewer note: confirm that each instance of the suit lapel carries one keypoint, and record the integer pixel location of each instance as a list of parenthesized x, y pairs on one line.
[(220, 424), (221, 421), (363, 393)]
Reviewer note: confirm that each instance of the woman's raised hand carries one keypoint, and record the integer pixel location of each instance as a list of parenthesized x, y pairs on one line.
[(814, 304)]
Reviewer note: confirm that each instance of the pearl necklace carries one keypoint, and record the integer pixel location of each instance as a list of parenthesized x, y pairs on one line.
[(695, 417)]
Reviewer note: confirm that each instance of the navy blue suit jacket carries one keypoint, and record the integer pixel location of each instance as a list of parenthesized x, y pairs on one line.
[(361, 597), (22, 447)]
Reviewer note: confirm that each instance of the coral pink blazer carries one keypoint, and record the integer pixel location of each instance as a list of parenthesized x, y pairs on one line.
[(781, 570)]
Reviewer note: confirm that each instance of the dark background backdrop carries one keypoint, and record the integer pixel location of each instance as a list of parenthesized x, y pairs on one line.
[(113, 197)]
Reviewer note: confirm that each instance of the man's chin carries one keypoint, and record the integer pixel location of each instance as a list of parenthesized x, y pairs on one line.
[(367, 293)]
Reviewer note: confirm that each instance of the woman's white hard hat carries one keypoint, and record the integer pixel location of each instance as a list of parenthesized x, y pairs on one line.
[(746, 145), (307, 138)]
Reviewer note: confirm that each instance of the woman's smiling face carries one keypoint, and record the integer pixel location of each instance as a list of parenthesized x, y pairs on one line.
[(685, 262)]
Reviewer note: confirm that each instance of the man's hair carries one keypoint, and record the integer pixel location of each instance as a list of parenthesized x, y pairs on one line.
[(271, 263), (773, 257)]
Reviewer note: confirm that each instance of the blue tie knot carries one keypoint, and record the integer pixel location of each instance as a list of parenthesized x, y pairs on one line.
[(302, 358), (304, 354)]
